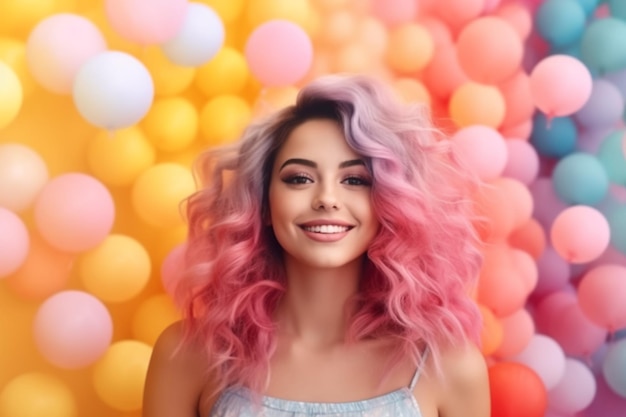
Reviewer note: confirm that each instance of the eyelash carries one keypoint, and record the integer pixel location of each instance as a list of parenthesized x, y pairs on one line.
[(353, 180)]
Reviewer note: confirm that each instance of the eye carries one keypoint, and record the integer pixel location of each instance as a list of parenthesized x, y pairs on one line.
[(297, 179), (357, 180)]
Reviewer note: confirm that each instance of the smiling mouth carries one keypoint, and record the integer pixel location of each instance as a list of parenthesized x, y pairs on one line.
[(327, 229)]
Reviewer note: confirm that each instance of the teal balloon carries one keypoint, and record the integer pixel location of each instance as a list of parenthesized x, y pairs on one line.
[(555, 138), (617, 8), (560, 22), (602, 47), (617, 224), (580, 178), (611, 156), (589, 6)]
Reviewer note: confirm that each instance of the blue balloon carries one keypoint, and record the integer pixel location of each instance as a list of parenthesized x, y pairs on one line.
[(589, 6), (602, 46), (617, 224), (555, 138), (579, 178), (560, 22), (611, 156)]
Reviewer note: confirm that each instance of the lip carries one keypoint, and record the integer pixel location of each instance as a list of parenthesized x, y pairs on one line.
[(322, 222)]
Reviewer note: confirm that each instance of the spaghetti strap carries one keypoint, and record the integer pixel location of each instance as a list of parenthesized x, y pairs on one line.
[(418, 371)]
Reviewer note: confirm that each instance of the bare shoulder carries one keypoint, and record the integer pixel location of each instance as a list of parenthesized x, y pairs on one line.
[(176, 377), (465, 391)]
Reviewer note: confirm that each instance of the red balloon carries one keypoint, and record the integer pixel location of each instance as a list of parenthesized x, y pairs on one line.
[(516, 391)]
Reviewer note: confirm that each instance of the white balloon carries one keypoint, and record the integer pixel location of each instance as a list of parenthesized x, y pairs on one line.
[(113, 90), (199, 39), (544, 356), (23, 173)]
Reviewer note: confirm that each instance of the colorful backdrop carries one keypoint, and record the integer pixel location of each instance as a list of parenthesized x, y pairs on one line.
[(105, 103)]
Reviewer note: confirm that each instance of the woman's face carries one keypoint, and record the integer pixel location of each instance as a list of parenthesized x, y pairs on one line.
[(320, 197)]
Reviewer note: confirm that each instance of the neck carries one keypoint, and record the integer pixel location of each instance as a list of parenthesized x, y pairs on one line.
[(314, 310)]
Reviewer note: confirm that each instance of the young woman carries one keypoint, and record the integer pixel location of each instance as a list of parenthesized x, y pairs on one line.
[(330, 258)]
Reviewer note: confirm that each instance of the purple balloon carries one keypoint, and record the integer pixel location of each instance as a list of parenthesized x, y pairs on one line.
[(603, 109)]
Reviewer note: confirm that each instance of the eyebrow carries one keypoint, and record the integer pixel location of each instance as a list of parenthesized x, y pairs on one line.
[(309, 163)]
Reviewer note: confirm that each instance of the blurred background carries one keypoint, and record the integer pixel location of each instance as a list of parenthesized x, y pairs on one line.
[(104, 105)]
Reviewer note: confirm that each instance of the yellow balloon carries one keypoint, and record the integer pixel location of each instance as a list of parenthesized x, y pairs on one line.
[(477, 104), (19, 17), (159, 192), (35, 395), (327, 6), (223, 119), (13, 53), (229, 10), (297, 11), (118, 377), (152, 317), (10, 95), (117, 270), (169, 78), (226, 73), (410, 48), (117, 158), (171, 123)]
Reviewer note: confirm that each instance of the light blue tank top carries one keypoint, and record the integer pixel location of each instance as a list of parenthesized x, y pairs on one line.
[(237, 402)]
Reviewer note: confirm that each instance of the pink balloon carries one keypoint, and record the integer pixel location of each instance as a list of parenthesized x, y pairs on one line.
[(575, 390), (72, 329), (523, 161), (147, 22), (394, 12), (577, 335), (544, 355), (554, 272), (560, 85), (14, 242), (483, 149), (518, 329), (580, 234), (279, 53), (549, 310), (606, 403), (74, 212), (601, 296), (172, 268), (58, 46), (551, 205)]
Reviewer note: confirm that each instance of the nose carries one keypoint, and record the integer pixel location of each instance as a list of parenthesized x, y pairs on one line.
[(326, 199)]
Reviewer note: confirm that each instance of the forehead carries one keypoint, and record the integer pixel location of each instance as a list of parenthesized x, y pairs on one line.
[(317, 139)]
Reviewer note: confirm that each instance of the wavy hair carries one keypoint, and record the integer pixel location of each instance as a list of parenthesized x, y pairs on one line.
[(419, 267)]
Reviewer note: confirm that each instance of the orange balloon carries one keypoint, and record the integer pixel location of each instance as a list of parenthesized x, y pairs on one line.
[(507, 380), (489, 49), (492, 332), (477, 104), (443, 74), (518, 100), (410, 48), (518, 16), (412, 90), (45, 271)]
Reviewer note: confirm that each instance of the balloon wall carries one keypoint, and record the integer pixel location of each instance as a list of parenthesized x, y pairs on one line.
[(105, 103)]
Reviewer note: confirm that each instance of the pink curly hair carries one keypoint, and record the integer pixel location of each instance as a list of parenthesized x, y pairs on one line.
[(420, 266)]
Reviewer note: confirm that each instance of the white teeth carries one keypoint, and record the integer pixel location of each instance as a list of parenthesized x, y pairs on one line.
[(327, 228)]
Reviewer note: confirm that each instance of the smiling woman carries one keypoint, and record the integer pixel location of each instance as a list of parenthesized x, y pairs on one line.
[(330, 257)]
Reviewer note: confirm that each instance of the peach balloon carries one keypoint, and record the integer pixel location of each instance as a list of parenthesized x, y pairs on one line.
[(492, 332), (58, 46), (529, 237), (580, 234), (523, 161), (45, 271), (412, 90), (518, 328), (518, 99), (443, 74), (23, 173), (489, 49), (152, 316), (394, 12), (560, 85), (74, 212), (458, 12), (147, 22), (442, 36), (601, 296), (410, 48), (518, 16), (477, 104)]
